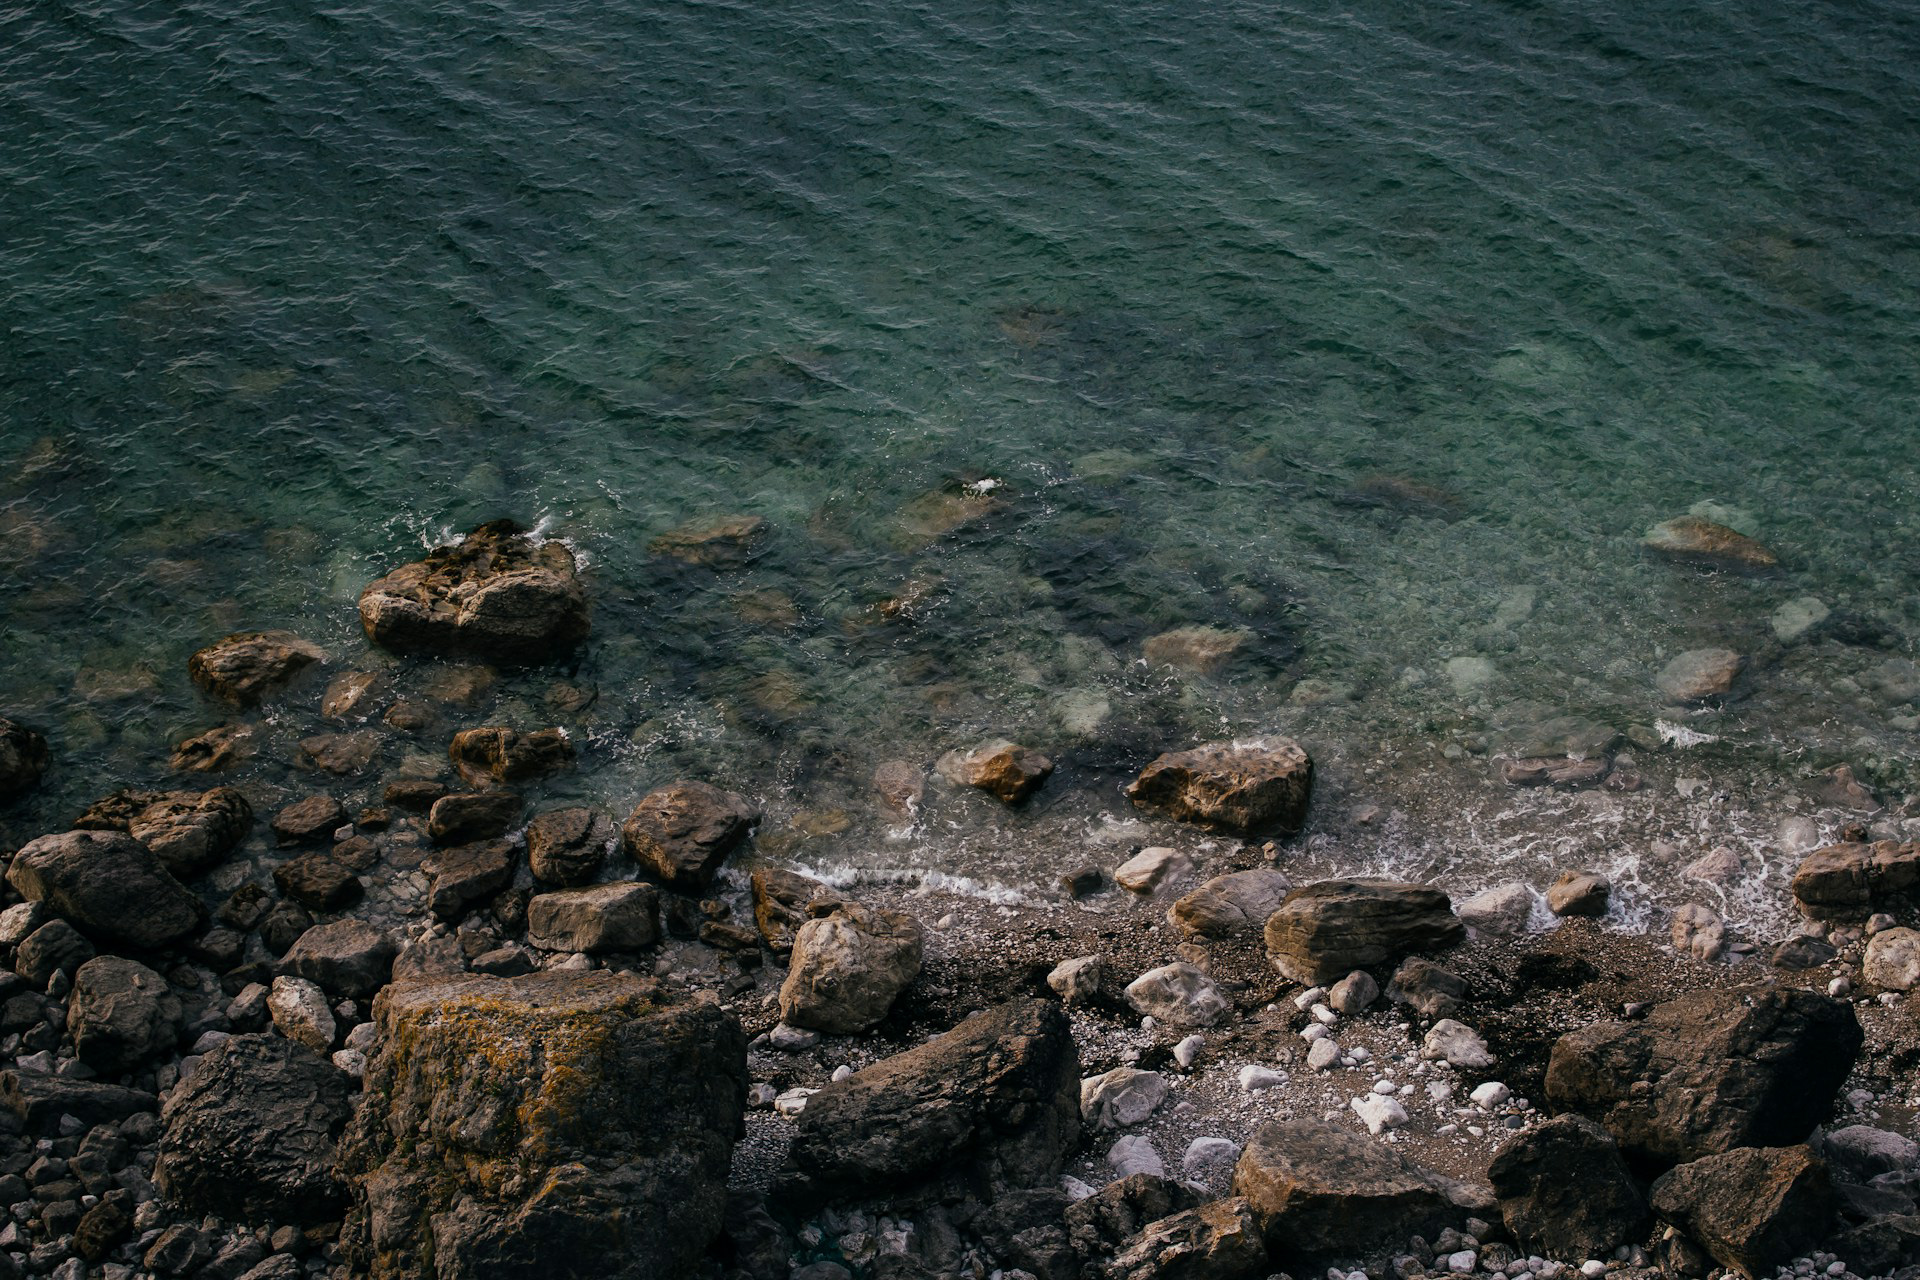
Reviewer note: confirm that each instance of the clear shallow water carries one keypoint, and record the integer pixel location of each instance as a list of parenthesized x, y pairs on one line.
[(291, 293)]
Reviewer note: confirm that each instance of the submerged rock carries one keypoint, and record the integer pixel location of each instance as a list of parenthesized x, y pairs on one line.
[(1324, 931), (683, 831), (244, 667), (1695, 540), (109, 884), (1241, 788), (1565, 1192), (724, 542), (848, 967), (190, 831), (993, 1103), (496, 595), (1319, 1190), (1203, 650), (557, 1124), (1003, 769), (466, 816), (1700, 675), (1709, 1071), (23, 759), (782, 902), (219, 748), (504, 755)]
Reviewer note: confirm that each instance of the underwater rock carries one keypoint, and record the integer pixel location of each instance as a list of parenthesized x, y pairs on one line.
[(508, 755), (109, 884), (23, 759), (1554, 771), (497, 595), (1203, 650), (1241, 788), (1694, 540), (466, 816), (219, 748), (1000, 767), (244, 667), (314, 817), (900, 786), (342, 754), (683, 831), (782, 902), (725, 542), (350, 695), (932, 516), (1700, 675)]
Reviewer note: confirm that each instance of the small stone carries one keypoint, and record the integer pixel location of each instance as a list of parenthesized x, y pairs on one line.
[(1187, 1052), (299, 1011), (1700, 675), (1502, 910), (1254, 1079), (1135, 1154), (1178, 994), (1460, 1045), (1354, 993), (1208, 1156), (791, 1039), (1150, 868), (1078, 981)]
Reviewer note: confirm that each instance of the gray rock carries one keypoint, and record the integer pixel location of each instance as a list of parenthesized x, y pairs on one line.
[(569, 846), (1121, 1098), (1152, 868), (1081, 980), (615, 1102), (1241, 788), (1179, 995), (1698, 932), (109, 885), (1565, 1192), (121, 1014), (1459, 1044), (1134, 1156), (344, 958), (42, 1100), (1229, 905), (605, 917), (1502, 910), (1319, 1190), (847, 968), (1861, 1153), (682, 832), (1752, 1208), (300, 1013), (251, 1134), (1326, 930), (55, 947), (1893, 959)]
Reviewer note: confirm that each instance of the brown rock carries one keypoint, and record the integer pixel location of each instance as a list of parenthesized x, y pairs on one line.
[(340, 753), (1579, 893), (244, 667), (682, 832), (415, 794), (508, 755), (569, 846), (622, 916), (464, 685), (1693, 540), (1002, 768), (1700, 675), (1324, 931), (219, 748), (108, 884), (1852, 881), (726, 542), (1240, 788), (467, 816), (466, 876), (1318, 1190), (848, 967), (1565, 1192), (900, 786), (1226, 906), (497, 595), (410, 715), (316, 880), (1753, 1208), (315, 817), (1204, 650), (1217, 1241), (190, 831), (351, 694), (780, 904), (1554, 771)]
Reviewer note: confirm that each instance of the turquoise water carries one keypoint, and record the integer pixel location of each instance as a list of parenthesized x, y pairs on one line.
[(292, 292)]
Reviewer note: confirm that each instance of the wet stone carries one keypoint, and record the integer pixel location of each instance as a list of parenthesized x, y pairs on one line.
[(467, 816), (682, 832), (216, 749), (1241, 788), (569, 846), (343, 754), (243, 668), (504, 755), (1003, 769), (314, 818), (497, 594)]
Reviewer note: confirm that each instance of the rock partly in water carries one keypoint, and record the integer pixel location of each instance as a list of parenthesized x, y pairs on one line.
[(1319, 1190), (1752, 1208), (109, 885), (569, 1125), (1243, 788), (622, 916), (217, 748), (682, 832), (1229, 905), (1695, 540), (569, 846), (1709, 1071), (190, 831), (121, 1013), (467, 875), (250, 1135), (1580, 893), (1324, 931), (466, 816), (496, 595), (1003, 769), (243, 668), (848, 966), (502, 755), (310, 818), (993, 1103), (1503, 910), (782, 902), (23, 759), (1565, 1192), (1854, 879), (1152, 869), (341, 754)]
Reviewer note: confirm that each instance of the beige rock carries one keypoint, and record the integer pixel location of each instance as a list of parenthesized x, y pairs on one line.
[(1694, 540), (1698, 932), (848, 967), (1699, 675), (1002, 768), (1199, 649), (1226, 906), (717, 543), (1579, 893), (1893, 959), (299, 1011), (1150, 868), (1247, 787)]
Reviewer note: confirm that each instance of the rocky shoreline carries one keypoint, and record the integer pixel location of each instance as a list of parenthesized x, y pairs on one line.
[(424, 1021)]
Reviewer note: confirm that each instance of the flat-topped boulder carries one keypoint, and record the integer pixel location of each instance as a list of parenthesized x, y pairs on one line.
[(497, 595), (23, 759), (1753, 1208), (682, 832), (560, 1124), (343, 958), (190, 831), (993, 1103), (109, 885), (243, 668), (1001, 768), (621, 916), (1709, 1071), (1853, 880), (1318, 1190), (502, 755), (569, 846), (1698, 541), (1244, 788), (1324, 931), (1229, 905), (466, 816)]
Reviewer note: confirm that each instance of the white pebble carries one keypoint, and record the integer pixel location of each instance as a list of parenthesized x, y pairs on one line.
[(1188, 1050), (1323, 1055), (1491, 1094), (1307, 999), (1462, 1262), (1593, 1267), (1255, 1078), (1325, 1016)]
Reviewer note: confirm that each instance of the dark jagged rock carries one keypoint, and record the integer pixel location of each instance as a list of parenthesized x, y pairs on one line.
[(468, 875), (245, 908), (40, 1099), (553, 1125), (342, 958), (108, 884), (569, 846), (467, 816), (314, 817), (1220, 1240), (341, 754), (190, 831), (496, 595), (508, 755), (415, 794), (218, 748), (319, 881), (1752, 1208), (121, 1014), (1100, 1225), (682, 832), (1244, 788), (1852, 880), (283, 926), (1324, 931), (995, 1102), (55, 947), (243, 668), (1565, 1192), (251, 1134), (1709, 1071), (23, 759), (1319, 1190)]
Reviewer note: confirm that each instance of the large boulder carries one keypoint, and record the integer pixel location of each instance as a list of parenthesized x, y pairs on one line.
[(569, 846), (1245, 788), (1226, 906), (23, 759), (496, 595), (190, 831), (243, 668), (1565, 1192), (993, 1103), (343, 958), (848, 966), (1220, 1240), (1752, 1208), (552, 1125), (499, 754), (109, 884), (1851, 881), (1320, 1190), (1709, 1071), (42, 1101), (622, 916), (1326, 930), (682, 832), (999, 767), (251, 1134), (121, 1014)]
